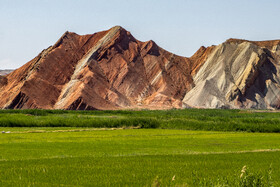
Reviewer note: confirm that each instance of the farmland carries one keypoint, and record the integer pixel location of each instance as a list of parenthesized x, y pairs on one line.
[(137, 154)]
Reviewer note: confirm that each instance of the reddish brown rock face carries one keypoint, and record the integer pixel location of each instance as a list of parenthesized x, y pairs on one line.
[(106, 70)]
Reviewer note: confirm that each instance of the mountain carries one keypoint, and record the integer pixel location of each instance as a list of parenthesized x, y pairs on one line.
[(5, 72), (238, 74), (112, 70), (106, 70)]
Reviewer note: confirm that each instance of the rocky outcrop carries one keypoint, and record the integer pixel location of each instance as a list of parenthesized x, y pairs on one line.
[(112, 70)]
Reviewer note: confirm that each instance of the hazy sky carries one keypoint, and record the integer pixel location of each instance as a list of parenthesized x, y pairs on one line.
[(179, 26)]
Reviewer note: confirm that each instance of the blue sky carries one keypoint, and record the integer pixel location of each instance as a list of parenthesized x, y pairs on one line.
[(179, 26)]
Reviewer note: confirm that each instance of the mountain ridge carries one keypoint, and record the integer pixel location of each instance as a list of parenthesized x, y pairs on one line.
[(111, 70)]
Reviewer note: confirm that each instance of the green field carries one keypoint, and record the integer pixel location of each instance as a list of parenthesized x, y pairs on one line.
[(139, 148), (133, 157), (189, 119)]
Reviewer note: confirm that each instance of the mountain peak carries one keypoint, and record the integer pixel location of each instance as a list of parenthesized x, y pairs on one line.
[(267, 43), (66, 35), (117, 27), (236, 40)]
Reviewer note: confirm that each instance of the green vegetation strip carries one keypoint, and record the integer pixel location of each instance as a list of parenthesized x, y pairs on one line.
[(137, 157), (188, 119)]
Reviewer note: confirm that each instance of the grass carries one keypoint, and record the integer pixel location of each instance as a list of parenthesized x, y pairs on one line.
[(188, 119), (139, 148), (135, 157)]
